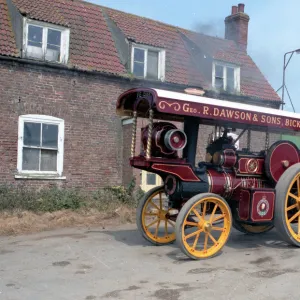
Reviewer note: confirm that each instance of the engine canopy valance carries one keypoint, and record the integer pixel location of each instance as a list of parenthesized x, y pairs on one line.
[(174, 106)]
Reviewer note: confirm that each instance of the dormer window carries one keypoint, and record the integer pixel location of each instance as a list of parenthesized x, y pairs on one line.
[(226, 77), (45, 42), (148, 62)]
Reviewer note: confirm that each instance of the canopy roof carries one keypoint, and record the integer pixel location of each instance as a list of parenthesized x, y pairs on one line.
[(174, 106)]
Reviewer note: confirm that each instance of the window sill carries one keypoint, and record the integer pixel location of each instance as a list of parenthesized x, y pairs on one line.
[(151, 79), (42, 60), (40, 176)]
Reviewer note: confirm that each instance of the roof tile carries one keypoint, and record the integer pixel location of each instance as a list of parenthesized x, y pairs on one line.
[(179, 65), (7, 41), (92, 46), (253, 82)]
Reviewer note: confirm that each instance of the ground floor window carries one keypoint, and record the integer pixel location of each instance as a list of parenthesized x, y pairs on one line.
[(40, 145), (151, 179)]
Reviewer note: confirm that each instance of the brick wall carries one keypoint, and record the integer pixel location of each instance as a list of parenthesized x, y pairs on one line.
[(97, 146), (93, 155)]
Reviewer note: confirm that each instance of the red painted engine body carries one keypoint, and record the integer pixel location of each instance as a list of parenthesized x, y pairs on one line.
[(245, 179)]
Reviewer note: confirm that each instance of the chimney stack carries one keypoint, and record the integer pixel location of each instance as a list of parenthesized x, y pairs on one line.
[(236, 26)]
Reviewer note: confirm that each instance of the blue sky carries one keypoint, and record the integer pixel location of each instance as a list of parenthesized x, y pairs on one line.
[(273, 30)]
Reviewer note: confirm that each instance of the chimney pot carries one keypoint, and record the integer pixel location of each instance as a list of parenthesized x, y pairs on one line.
[(234, 10), (241, 7)]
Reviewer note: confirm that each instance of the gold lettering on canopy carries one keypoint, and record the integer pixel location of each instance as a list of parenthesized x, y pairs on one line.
[(236, 115)]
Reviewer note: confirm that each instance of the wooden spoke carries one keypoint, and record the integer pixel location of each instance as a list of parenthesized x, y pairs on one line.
[(292, 207), (169, 221), (160, 202), (151, 214), (196, 239), (153, 204), (204, 210), (213, 213), (193, 234), (197, 214), (294, 196), (217, 228), (298, 186), (190, 223), (299, 225), (154, 222), (205, 241), (218, 218), (294, 216), (212, 238), (156, 231)]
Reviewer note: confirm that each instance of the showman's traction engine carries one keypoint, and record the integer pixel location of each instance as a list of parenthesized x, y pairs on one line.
[(198, 203)]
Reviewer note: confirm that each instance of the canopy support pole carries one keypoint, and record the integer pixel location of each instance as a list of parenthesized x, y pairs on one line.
[(149, 141), (133, 138), (191, 129)]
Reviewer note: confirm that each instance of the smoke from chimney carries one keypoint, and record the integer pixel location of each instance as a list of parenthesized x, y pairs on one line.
[(212, 28)]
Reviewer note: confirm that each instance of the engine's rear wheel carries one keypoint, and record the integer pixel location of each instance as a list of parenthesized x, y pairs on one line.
[(287, 205), (154, 219), (199, 234)]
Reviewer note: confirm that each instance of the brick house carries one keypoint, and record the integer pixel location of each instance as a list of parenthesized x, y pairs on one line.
[(63, 64)]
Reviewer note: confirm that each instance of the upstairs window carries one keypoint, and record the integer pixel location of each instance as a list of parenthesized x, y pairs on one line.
[(226, 77), (148, 62), (40, 147), (46, 42)]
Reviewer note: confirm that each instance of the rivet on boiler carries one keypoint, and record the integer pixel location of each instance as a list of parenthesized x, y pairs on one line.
[(285, 163)]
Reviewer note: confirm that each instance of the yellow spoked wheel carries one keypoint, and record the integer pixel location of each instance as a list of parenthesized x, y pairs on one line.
[(287, 206), (251, 229), (203, 226), (154, 219)]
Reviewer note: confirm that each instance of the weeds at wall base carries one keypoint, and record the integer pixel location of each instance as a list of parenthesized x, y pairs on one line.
[(15, 198), (25, 210)]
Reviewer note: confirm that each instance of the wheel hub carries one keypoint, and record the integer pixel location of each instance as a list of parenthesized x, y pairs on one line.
[(162, 215), (207, 227)]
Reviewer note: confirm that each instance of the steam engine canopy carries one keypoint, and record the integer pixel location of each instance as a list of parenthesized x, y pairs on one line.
[(166, 139)]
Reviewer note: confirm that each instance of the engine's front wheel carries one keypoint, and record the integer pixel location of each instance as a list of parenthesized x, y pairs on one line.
[(200, 234), (154, 219)]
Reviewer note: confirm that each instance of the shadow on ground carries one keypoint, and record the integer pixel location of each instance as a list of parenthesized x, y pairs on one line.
[(130, 237), (238, 241)]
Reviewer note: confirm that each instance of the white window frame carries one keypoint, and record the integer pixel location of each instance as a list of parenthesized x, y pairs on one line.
[(237, 75), (60, 152), (126, 121), (65, 39), (161, 60)]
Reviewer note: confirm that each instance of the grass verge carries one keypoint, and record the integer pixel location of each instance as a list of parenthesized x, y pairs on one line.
[(27, 210)]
